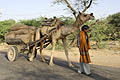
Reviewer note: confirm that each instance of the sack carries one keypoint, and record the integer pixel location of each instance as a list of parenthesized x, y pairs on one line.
[(20, 33)]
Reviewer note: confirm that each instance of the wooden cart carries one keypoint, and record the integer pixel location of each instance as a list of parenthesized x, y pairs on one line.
[(20, 43), (19, 46)]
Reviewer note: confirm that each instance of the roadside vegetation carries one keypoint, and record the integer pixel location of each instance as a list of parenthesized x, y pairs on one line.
[(102, 30)]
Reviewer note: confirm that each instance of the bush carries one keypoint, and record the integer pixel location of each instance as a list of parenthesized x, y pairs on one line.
[(98, 31), (114, 26), (33, 22), (67, 20), (4, 27)]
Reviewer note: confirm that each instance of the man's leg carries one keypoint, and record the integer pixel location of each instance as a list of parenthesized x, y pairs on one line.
[(81, 69), (86, 67)]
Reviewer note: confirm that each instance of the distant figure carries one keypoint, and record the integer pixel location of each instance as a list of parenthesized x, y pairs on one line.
[(84, 46)]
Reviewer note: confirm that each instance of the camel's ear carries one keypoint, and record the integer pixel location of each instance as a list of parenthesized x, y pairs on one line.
[(79, 12), (91, 14)]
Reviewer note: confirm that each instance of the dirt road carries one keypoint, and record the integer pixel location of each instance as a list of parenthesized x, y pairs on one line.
[(22, 69)]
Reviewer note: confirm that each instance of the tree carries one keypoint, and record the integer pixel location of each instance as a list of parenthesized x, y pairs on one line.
[(114, 26), (75, 6)]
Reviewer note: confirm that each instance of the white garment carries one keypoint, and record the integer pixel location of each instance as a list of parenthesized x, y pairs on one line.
[(85, 68)]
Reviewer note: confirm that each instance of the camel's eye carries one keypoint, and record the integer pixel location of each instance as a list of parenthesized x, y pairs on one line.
[(85, 15)]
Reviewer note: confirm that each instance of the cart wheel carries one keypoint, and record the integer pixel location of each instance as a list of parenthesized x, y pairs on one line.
[(12, 53)]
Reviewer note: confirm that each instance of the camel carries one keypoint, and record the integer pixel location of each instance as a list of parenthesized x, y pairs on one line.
[(63, 31)]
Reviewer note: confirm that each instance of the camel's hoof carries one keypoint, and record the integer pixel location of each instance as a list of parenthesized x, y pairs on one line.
[(30, 59), (71, 65), (44, 60), (51, 64)]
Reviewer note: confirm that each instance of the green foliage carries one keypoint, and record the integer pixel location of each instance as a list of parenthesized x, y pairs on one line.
[(114, 19), (67, 20), (104, 29), (114, 26), (37, 22), (98, 33), (33, 22), (5, 26)]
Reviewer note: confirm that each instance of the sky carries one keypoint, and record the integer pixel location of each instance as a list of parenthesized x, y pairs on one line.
[(29, 9)]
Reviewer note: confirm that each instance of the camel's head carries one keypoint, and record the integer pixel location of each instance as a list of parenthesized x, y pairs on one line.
[(82, 18), (85, 17)]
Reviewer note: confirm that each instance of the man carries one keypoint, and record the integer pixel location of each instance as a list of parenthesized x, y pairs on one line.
[(84, 46)]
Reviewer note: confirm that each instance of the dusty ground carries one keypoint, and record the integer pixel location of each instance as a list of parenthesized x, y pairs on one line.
[(105, 66), (105, 57), (102, 57)]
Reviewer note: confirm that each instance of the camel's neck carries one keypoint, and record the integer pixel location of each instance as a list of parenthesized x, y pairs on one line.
[(78, 23), (67, 30)]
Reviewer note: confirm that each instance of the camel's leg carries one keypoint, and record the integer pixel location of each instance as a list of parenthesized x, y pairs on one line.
[(33, 53), (41, 48), (66, 52), (52, 52)]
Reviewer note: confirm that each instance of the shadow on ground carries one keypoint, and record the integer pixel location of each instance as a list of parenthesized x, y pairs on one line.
[(21, 69)]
